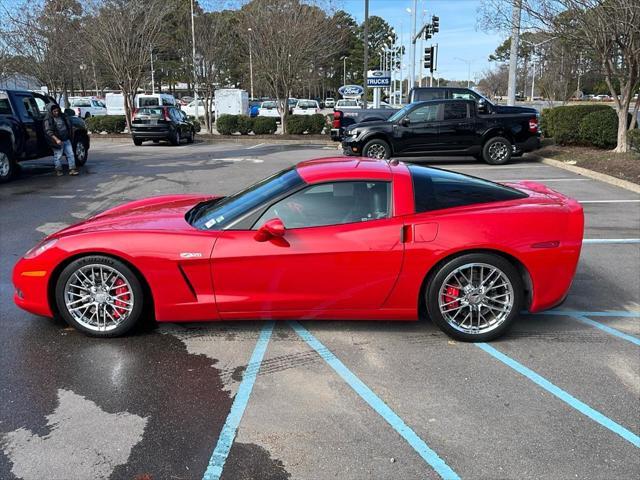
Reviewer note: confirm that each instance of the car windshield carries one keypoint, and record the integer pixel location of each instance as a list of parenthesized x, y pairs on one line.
[(216, 215), (268, 105), (400, 113), (149, 112), (307, 104), (148, 101), (81, 103)]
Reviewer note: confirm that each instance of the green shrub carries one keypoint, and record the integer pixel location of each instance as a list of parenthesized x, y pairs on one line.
[(244, 123), (547, 118), (315, 123), (600, 128), (264, 125), (196, 123), (564, 123), (227, 124), (633, 136), (296, 124), (106, 123)]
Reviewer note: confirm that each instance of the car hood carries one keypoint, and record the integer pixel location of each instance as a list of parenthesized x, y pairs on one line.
[(156, 213), (369, 124)]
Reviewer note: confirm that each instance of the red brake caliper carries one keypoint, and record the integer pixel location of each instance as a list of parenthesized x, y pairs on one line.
[(451, 295), (121, 288)]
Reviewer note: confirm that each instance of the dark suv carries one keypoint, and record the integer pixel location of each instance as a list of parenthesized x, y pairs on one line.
[(161, 123)]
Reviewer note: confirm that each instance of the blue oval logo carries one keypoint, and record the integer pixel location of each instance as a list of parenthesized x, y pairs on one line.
[(350, 90)]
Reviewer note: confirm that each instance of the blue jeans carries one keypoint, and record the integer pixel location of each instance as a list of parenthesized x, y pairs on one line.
[(67, 149)]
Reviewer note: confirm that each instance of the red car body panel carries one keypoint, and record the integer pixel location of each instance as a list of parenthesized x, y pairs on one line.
[(366, 270)]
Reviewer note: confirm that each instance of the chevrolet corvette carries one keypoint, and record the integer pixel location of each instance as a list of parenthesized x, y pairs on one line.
[(338, 238)]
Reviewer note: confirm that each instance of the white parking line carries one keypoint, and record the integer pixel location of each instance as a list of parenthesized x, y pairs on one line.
[(600, 241), (610, 201), (255, 146), (492, 168), (546, 180)]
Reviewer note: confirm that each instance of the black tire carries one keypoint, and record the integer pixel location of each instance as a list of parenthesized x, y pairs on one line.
[(191, 137), (81, 151), (497, 151), (88, 115), (156, 141), (376, 148), (433, 291), (116, 265), (8, 166), (137, 141), (175, 138)]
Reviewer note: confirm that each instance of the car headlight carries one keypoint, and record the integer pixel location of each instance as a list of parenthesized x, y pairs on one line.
[(353, 133), (40, 248)]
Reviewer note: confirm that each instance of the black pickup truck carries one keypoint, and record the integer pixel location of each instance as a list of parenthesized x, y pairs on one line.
[(445, 128), (22, 133)]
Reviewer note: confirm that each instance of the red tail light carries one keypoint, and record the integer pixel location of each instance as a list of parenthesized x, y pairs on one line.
[(533, 125), (337, 120)]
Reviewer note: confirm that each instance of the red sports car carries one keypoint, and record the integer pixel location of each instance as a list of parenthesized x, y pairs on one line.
[(336, 238)]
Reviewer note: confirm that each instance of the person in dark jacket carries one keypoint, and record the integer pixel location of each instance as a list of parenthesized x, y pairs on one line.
[(57, 129)]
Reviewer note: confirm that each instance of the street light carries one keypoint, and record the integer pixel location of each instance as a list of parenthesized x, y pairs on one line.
[(250, 62), (193, 45), (344, 70), (468, 62)]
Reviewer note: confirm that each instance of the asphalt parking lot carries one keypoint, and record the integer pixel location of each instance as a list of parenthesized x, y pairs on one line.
[(557, 398)]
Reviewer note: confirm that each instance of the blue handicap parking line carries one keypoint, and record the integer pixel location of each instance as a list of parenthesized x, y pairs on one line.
[(230, 428), (377, 404), (562, 395)]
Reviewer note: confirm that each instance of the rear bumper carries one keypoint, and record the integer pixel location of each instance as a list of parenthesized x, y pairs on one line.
[(529, 145), (141, 133)]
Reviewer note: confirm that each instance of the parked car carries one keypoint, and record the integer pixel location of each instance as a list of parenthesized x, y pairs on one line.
[(114, 103), (22, 132), (161, 123), (269, 109), (603, 98), (291, 103), (382, 240), (329, 102), (86, 107), (306, 107), (346, 103), (190, 109), (423, 94), (445, 127), (154, 100)]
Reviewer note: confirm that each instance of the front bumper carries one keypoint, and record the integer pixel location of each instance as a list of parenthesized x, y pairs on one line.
[(30, 282), (351, 146)]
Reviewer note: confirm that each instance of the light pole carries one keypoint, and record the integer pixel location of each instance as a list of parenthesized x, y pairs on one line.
[(468, 62), (344, 70), (412, 68), (195, 74), (153, 80), (250, 62)]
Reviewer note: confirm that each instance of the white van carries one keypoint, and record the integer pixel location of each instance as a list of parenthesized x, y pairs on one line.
[(154, 100), (115, 103)]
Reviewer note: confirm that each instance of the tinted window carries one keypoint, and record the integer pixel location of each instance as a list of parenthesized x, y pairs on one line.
[(463, 95), (427, 113), (148, 101), (5, 107), (436, 189), (149, 112), (217, 215), (428, 94), (81, 103), (455, 110), (332, 204)]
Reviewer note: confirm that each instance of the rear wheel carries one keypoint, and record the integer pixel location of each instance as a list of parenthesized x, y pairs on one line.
[(81, 151), (8, 166), (474, 297), (376, 148), (137, 141), (497, 151), (99, 296), (175, 139), (191, 137)]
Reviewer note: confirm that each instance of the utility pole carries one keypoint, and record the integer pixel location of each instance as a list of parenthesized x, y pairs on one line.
[(513, 55), (344, 70), (250, 62), (366, 53), (412, 71), (153, 81), (195, 73)]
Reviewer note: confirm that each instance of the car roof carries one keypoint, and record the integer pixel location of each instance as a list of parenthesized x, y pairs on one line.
[(343, 168)]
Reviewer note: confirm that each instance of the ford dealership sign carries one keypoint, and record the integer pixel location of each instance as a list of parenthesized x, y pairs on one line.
[(378, 78), (351, 90)]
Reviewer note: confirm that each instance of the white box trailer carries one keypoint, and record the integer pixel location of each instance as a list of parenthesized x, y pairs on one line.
[(231, 101), (114, 103)]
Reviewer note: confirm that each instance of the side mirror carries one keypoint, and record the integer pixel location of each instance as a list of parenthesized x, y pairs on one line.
[(482, 106), (69, 112), (273, 228), (405, 122)]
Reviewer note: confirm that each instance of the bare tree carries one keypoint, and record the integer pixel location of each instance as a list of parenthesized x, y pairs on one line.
[(607, 30), (288, 39), (122, 34)]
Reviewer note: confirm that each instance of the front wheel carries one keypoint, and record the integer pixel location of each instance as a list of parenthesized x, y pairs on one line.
[(8, 166), (497, 151), (474, 297), (376, 148), (99, 296), (81, 151), (175, 139)]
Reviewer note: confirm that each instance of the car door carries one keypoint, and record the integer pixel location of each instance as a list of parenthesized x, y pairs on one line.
[(341, 250), (457, 130), (31, 120), (417, 132)]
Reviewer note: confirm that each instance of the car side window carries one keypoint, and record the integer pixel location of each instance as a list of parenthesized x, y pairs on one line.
[(456, 111), (426, 113), (5, 106), (334, 203), (29, 108)]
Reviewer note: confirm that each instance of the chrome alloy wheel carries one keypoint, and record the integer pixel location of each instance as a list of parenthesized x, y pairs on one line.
[(80, 153), (5, 165), (376, 151), (98, 297), (476, 298), (499, 152)]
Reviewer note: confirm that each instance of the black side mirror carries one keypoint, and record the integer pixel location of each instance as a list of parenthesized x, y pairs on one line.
[(69, 113), (483, 107), (405, 122)]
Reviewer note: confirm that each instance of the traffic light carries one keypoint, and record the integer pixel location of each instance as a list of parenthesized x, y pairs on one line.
[(428, 58), (435, 23), (428, 33)]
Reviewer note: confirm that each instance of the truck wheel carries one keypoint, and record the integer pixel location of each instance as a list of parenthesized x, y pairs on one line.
[(137, 141), (497, 151), (175, 138), (376, 148), (81, 151), (8, 167)]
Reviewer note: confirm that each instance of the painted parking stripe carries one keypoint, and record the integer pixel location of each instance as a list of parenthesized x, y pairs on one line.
[(230, 428), (377, 404), (608, 329), (580, 313), (255, 146), (610, 201), (605, 241), (569, 399)]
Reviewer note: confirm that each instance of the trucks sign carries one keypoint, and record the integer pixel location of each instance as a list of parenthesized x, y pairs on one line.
[(378, 78)]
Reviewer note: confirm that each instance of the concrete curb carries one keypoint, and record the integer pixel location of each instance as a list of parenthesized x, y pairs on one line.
[(591, 174), (246, 140)]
